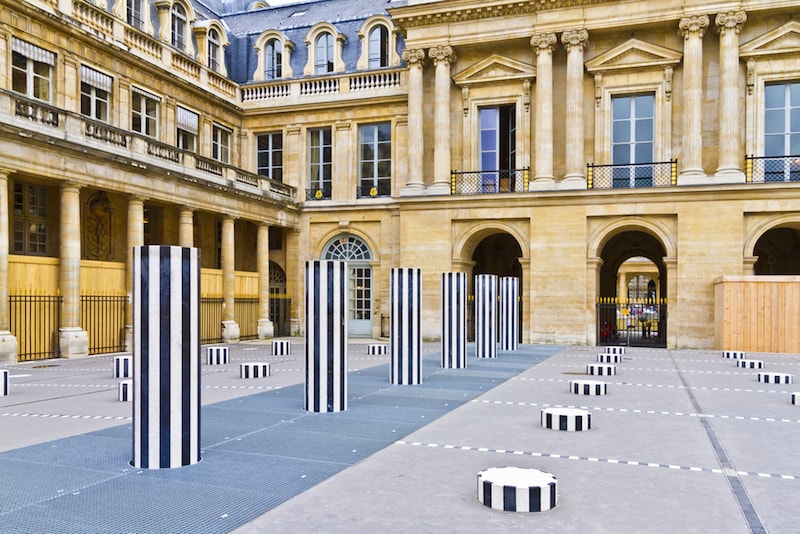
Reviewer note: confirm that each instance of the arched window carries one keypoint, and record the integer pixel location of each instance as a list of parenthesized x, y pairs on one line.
[(378, 47), (347, 248), (213, 50), (273, 60), (179, 22), (323, 49)]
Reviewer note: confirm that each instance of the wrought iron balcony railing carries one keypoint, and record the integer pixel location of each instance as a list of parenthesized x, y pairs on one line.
[(772, 169), (632, 175), (489, 182)]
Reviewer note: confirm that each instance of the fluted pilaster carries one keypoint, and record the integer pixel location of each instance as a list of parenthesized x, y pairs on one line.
[(729, 25), (442, 57), (414, 58), (543, 46), (574, 42), (692, 30)]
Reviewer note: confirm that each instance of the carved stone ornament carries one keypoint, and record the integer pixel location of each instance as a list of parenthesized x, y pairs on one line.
[(414, 56), (442, 53), (98, 227), (574, 39), (689, 26), (730, 21), (544, 42)]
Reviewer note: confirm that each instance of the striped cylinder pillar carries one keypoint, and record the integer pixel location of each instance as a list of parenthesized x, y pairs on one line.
[(509, 313), (166, 356), (3, 382), (405, 289), (486, 316), (326, 336), (454, 320)]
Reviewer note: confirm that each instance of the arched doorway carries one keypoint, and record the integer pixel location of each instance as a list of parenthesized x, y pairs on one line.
[(631, 309), (778, 252), (358, 256), (497, 254)]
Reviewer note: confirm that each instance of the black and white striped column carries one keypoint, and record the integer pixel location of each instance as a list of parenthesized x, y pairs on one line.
[(517, 489), (123, 366), (166, 356), (3, 382), (326, 336), (509, 312), (454, 320), (486, 316), (405, 288)]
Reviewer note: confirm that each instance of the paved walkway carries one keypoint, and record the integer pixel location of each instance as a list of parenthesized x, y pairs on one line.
[(685, 441)]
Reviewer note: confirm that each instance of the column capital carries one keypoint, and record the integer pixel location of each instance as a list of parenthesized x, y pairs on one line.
[(574, 39), (440, 54), (732, 20), (414, 56), (690, 26), (544, 42)]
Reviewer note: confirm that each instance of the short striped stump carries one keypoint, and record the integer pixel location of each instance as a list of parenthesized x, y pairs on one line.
[(281, 347), (253, 370), (769, 377), (3, 382), (601, 369), (517, 489), (750, 364), (569, 419), (588, 387), (614, 350), (377, 348), (609, 358), (217, 355), (796, 399), (123, 366), (125, 391), (734, 354)]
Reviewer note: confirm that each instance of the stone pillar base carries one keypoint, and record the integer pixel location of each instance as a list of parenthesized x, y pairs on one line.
[(73, 342), (693, 178), (412, 190), (266, 329), (573, 182), (128, 338), (230, 332), (8, 347), (438, 189), (294, 327), (542, 184)]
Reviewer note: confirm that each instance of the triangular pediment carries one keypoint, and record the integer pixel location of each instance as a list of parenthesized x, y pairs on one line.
[(633, 54), (493, 69), (783, 40)]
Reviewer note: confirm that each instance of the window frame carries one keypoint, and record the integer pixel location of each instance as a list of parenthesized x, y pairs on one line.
[(135, 13), (365, 37), (147, 121), (273, 59), (378, 184), (272, 170), (24, 220), (334, 61), (179, 24), (35, 74), (221, 143), (634, 175), (214, 46), (95, 101), (320, 188), (186, 138)]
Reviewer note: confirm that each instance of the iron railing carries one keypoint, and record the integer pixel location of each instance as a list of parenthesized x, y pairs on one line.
[(632, 175), (245, 313), (489, 182), (34, 321), (638, 322), (772, 169), (103, 318), (211, 320)]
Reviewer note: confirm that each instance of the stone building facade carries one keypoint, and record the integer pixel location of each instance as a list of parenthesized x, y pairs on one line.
[(629, 154)]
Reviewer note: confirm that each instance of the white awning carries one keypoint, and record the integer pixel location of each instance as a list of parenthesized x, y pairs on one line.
[(96, 79), (188, 120), (32, 51), (145, 93)]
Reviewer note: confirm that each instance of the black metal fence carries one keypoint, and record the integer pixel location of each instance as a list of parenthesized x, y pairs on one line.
[(639, 323), (632, 175), (489, 182), (34, 321), (245, 312), (772, 169), (103, 318), (211, 319)]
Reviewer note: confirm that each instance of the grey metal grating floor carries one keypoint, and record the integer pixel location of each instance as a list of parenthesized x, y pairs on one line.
[(258, 451)]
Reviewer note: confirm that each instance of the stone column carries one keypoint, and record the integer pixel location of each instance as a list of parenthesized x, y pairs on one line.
[(442, 57), (574, 41), (414, 185), (230, 329), (73, 340), (265, 327), (135, 239), (543, 45), (8, 343), (730, 157), (692, 30), (186, 227)]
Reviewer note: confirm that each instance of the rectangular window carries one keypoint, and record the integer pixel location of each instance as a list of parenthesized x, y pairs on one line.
[(30, 219), (375, 160), (188, 124), (269, 155), (320, 163), (782, 132), (221, 144), (497, 149), (144, 112), (95, 94), (31, 70), (632, 140), (134, 13)]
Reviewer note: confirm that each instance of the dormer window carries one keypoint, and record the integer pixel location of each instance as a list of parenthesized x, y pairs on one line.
[(273, 60), (378, 47), (213, 50), (179, 22), (378, 44), (323, 61)]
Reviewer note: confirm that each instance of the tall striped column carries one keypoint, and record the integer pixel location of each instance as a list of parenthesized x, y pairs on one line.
[(509, 312), (326, 336), (454, 320), (405, 288), (166, 356), (486, 316)]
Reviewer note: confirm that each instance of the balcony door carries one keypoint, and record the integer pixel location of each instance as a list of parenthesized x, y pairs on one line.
[(498, 148), (632, 140), (782, 132)]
